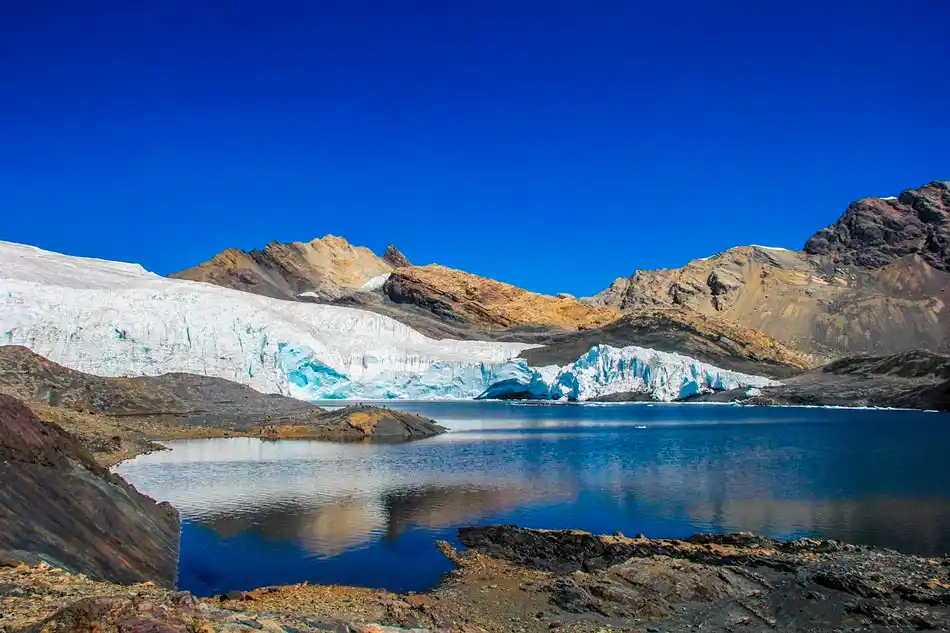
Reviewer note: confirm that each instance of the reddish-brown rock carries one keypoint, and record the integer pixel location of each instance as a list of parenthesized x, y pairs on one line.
[(875, 232)]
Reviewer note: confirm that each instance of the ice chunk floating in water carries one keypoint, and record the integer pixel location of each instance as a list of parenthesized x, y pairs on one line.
[(117, 319)]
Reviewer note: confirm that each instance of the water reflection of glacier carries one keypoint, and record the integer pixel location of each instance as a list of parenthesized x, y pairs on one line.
[(327, 497)]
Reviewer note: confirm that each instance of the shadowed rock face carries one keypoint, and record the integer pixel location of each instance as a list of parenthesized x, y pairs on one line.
[(394, 257), (876, 232), (57, 504)]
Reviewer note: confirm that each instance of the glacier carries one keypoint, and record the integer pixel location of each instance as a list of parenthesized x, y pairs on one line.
[(605, 370), (117, 319)]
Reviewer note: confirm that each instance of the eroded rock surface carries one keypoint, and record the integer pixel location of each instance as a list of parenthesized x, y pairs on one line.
[(534, 581), (58, 504), (875, 232), (717, 582)]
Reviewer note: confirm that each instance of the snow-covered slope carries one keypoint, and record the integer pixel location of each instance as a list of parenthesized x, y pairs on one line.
[(117, 319)]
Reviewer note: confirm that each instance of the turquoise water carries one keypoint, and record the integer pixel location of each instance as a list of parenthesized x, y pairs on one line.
[(260, 513)]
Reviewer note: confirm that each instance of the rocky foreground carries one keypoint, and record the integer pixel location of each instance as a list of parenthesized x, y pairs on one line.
[(512, 579), (74, 538)]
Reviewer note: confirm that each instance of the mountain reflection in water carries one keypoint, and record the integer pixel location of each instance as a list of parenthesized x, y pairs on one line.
[(257, 513), (350, 522)]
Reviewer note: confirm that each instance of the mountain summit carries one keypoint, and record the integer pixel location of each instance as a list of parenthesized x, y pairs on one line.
[(873, 282), (875, 232), (324, 269)]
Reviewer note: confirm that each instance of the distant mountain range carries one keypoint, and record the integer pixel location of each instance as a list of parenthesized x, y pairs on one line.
[(326, 319), (874, 282)]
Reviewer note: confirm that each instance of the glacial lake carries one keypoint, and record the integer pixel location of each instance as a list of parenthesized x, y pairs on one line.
[(258, 513)]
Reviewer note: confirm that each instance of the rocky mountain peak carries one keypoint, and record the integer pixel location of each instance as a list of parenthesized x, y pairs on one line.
[(394, 257), (875, 232), (324, 268)]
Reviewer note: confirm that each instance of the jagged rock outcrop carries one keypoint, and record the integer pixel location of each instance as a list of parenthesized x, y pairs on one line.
[(707, 338), (394, 257), (484, 304), (874, 283), (875, 232), (323, 269), (57, 504)]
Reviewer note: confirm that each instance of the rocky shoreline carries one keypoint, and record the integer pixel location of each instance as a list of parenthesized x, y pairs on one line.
[(511, 579), (81, 550)]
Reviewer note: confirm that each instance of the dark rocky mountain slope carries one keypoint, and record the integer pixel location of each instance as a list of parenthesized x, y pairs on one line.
[(57, 504), (875, 232)]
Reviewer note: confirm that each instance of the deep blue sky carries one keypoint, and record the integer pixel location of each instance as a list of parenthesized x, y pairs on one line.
[(555, 145)]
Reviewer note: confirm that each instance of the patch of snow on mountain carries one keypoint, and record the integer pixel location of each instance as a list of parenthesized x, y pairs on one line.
[(375, 283), (772, 248)]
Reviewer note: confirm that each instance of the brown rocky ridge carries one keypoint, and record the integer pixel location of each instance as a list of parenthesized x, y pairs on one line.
[(707, 338), (117, 418), (486, 305), (873, 283), (326, 268), (59, 505)]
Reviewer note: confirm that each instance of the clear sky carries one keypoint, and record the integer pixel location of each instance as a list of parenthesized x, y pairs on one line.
[(552, 144)]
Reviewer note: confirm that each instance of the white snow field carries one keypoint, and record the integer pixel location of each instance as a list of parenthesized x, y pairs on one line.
[(117, 319)]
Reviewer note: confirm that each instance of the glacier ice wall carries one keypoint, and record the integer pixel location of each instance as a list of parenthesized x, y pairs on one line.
[(606, 370), (116, 319)]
